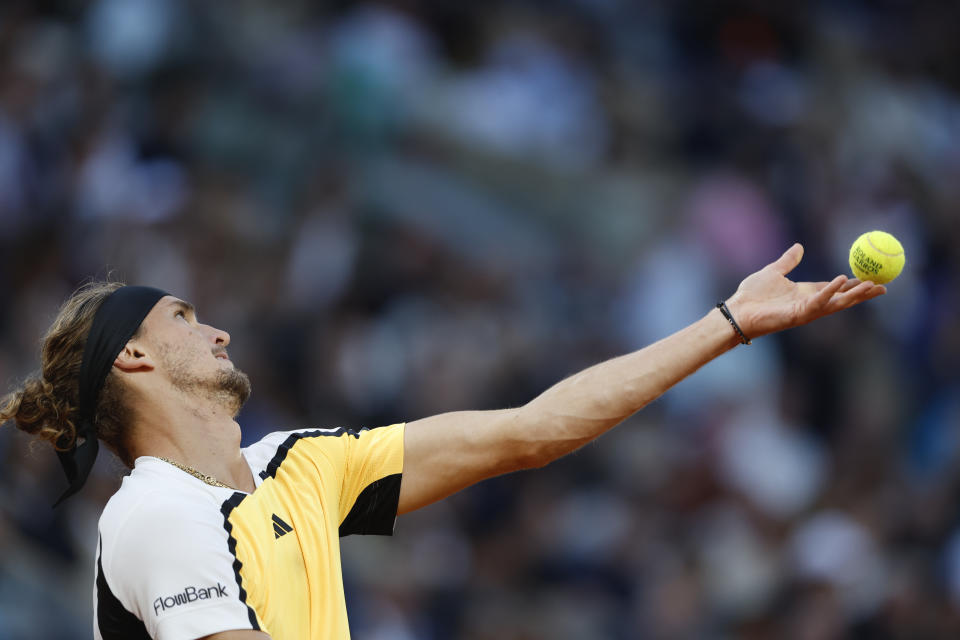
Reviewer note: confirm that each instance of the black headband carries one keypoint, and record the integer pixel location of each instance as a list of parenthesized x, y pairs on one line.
[(115, 322)]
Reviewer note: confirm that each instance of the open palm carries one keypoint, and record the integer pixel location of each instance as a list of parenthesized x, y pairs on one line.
[(767, 301)]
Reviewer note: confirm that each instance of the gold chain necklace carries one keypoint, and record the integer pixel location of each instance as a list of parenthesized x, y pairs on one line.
[(210, 480)]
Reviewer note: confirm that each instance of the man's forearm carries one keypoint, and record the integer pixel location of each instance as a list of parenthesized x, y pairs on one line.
[(585, 405)]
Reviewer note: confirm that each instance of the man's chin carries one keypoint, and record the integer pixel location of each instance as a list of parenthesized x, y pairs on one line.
[(236, 385)]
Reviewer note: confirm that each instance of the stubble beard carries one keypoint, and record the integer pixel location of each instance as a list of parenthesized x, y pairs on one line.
[(229, 388)]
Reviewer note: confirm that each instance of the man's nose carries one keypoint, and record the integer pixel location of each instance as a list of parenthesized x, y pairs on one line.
[(220, 337)]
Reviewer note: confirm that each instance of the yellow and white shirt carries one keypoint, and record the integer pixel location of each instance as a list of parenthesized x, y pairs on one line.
[(179, 559)]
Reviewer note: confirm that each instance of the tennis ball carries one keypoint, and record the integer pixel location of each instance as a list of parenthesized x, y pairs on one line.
[(877, 256)]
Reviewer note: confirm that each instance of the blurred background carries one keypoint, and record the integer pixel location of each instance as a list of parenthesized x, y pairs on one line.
[(410, 207)]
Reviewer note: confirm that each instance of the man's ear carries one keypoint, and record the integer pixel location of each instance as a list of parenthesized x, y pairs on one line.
[(134, 358)]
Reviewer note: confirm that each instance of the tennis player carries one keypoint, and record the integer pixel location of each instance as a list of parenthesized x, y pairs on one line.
[(208, 540)]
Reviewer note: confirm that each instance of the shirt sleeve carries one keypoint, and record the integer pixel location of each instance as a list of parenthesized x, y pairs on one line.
[(371, 481), (359, 475), (170, 566)]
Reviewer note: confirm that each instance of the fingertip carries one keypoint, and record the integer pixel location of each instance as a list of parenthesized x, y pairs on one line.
[(873, 290), (789, 260)]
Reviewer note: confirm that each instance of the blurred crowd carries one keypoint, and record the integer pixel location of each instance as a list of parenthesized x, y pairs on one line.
[(404, 208)]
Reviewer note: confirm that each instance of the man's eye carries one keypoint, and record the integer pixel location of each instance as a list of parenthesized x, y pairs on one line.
[(179, 314)]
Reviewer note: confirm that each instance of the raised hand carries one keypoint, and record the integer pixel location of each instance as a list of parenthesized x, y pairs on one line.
[(768, 301)]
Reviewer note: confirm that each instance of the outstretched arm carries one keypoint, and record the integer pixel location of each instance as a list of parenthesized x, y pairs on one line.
[(447, 452)]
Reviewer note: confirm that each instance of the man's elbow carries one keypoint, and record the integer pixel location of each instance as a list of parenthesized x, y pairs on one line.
[(532, 457), (541, 454), (523, 448), (536, 453)]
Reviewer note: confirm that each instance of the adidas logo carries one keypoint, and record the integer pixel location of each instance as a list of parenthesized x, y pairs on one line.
[(280, 528)]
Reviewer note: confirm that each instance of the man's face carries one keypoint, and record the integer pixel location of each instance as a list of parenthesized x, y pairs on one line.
[(193, 356)]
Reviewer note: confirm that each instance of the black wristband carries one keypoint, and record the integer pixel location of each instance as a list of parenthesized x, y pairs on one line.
[(722, 305)]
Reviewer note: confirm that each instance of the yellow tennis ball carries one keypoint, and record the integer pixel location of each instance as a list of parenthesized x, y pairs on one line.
[(877, 256)]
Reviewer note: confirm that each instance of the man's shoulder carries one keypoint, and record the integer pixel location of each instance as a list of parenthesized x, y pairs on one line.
[(152, 501), (275, 445)]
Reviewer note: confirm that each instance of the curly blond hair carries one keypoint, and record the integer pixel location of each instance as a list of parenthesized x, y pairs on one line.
[(46, 405)]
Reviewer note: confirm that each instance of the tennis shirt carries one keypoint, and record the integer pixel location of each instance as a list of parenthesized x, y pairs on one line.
[(179, 559)]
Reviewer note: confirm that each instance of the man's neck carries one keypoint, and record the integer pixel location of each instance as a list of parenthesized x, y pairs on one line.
[(201, 436)]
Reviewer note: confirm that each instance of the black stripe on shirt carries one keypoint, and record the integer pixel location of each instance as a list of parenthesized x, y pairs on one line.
[(113, 620), (374, 512), (226, 509), (286, 445)]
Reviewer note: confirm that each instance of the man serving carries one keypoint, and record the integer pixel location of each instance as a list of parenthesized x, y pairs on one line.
[(208, 540)]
